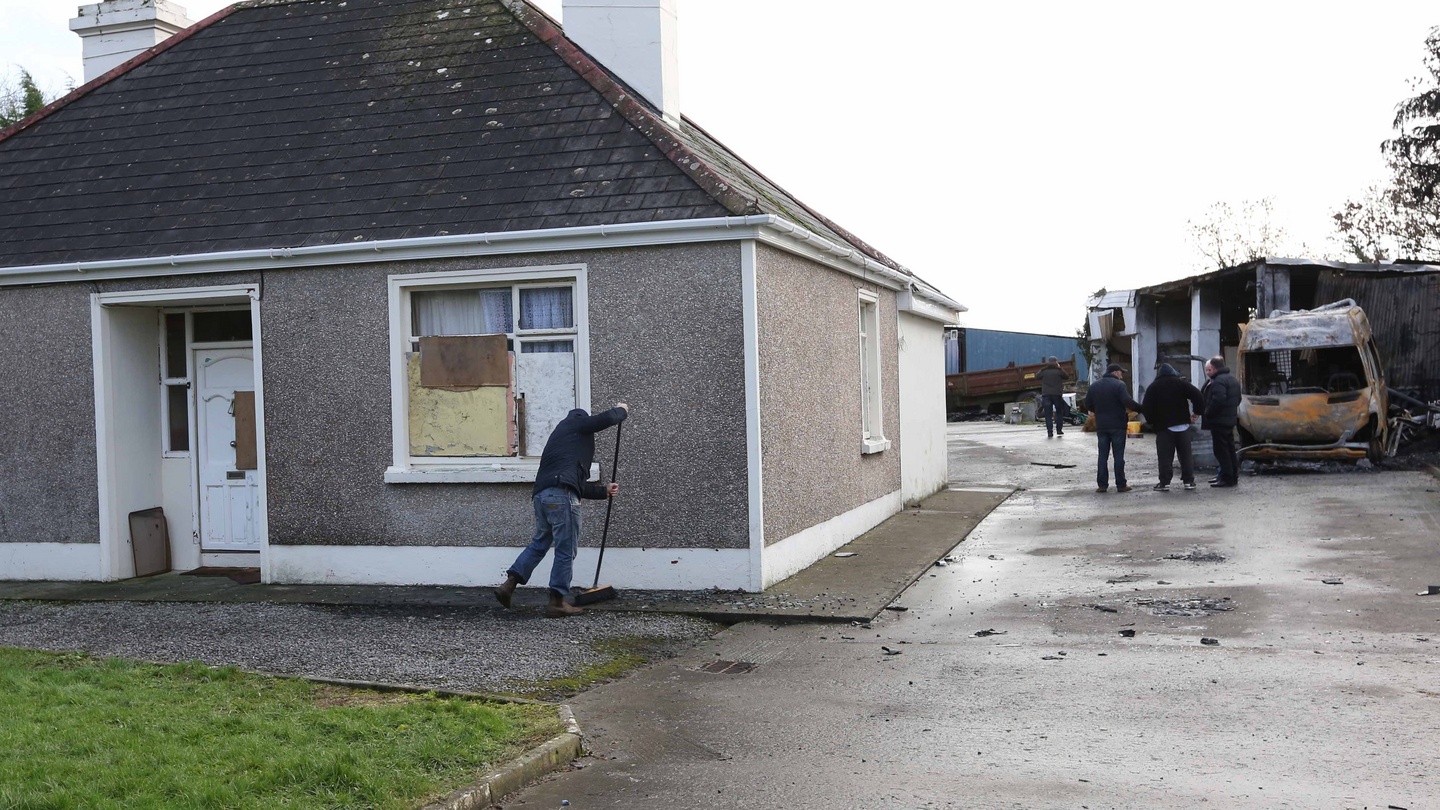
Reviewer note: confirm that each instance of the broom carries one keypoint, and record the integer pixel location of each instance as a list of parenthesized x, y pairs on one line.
[(597, 592)]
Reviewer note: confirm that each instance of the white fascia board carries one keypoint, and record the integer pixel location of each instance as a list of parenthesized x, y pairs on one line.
[(772, 230), (915, 305), (672, 232)]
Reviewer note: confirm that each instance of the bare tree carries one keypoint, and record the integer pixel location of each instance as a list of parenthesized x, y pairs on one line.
[(1225, 238)]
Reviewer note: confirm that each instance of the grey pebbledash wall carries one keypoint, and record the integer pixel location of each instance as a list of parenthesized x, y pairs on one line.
[(48, 476), (47, 417), (666, 336), (810, 416)]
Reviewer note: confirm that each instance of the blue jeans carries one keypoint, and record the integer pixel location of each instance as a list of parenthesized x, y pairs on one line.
[(557, 522), (1112, 442)]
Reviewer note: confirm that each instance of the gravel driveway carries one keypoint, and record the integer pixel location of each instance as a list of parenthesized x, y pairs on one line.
[(466, 649)]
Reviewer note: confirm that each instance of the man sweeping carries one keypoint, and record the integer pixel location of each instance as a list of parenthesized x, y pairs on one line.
[(559, 485)]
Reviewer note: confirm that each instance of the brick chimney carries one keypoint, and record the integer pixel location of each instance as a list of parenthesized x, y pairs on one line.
[(114, 31), (635, 40)]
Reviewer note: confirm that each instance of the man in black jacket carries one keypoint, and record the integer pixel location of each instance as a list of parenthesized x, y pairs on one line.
[(1052, 397), (1167, 407), (559, 484), (1222, 408), (1110, 401)]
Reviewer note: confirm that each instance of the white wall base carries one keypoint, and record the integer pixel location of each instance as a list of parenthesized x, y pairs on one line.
[(672, 568), (796, 552), (58, 561)]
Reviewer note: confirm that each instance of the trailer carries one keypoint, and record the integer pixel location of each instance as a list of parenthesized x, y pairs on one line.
[(989, 390)]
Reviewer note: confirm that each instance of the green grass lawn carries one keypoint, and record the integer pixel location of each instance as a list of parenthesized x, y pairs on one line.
[(80, 732)]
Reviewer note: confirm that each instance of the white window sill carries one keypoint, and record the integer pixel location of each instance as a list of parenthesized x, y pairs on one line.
[(869, 446), (499, 471)]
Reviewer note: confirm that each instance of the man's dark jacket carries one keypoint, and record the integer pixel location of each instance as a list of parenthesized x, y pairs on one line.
[(1168, 400), (1108, 400), (1052, 380), (570, 451), (1222, 401)]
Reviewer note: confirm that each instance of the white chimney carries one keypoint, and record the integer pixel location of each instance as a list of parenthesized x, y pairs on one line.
[(115, 31), (635, 40)]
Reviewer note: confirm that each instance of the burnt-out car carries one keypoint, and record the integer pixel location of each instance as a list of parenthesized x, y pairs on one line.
[(1314, 386)]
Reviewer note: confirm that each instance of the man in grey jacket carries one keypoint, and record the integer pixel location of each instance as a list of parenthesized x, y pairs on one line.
[(1222, 408), (1052, 397), (1110, 401)]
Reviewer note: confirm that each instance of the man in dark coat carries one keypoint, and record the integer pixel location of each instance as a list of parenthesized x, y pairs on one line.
[(1167, 407), (1110, 401), (1052, 397), (1222, 408), (559, 485)]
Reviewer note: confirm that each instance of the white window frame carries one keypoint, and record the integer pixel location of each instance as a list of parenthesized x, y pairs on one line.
[(408, 469), (872, 413)]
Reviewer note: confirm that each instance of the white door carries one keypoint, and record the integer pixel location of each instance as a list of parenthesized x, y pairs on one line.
[(228, 496)]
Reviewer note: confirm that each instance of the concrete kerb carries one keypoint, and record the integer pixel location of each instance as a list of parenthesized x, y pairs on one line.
[(528, 768), (524, 770)]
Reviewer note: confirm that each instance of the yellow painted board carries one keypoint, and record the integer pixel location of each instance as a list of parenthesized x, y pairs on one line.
[(457, 423)]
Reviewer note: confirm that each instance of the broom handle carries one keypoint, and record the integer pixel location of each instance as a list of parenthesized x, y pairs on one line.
[(609, 504)]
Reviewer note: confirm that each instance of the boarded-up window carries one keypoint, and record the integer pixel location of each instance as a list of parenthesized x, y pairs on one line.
[(491, 369)]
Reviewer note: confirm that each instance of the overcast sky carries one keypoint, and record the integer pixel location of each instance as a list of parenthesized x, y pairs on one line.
[(1017, 155)]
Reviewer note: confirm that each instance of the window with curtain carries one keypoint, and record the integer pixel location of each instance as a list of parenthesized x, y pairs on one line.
[(536, 380)]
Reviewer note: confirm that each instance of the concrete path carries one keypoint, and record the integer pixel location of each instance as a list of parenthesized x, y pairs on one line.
[(855, 586), (1061, 662)]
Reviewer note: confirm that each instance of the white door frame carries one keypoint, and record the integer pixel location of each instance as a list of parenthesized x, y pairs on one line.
[(112, 443)]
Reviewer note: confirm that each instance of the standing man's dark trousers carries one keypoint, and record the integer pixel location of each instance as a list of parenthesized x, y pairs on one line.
[(1055, 412), (1223, 440), (1112, 442), (1167, 443)]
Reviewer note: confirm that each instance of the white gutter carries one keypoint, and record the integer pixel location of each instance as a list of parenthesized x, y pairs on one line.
[(766, 227)]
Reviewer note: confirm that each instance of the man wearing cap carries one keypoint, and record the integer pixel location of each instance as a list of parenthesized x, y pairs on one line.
[(1052, 396), (1110, 401), (1167, 407)]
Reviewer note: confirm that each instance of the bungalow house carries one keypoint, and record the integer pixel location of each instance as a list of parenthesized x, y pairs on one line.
[(317, 277)]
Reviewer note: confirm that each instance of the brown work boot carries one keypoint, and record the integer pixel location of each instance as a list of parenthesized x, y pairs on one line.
[(507, 590), (559, 609)]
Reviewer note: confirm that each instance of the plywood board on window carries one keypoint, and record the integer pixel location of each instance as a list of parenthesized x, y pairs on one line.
[(245, 455), (547, 381), (474, 422), (464, 361)]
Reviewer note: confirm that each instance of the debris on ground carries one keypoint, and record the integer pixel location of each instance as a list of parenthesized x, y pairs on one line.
[(991, 632), (843, 554), (889, 651), (897, 608), (1124, 578), (1197, 554), (1197, 606), (1127, 633), (1104, 608), (1048, 464), (1210, 642), (1333, 581)]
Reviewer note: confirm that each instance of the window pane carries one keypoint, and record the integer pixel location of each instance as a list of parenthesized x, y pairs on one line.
[(175, 345), (546, 308), (462, 312), (220, 327), (546, 346), (177, 404)]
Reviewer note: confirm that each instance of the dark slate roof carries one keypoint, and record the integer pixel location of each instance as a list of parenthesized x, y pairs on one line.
[(289, 123)]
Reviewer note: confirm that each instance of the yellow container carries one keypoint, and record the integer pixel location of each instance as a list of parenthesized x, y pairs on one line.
[(1132, 428)]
